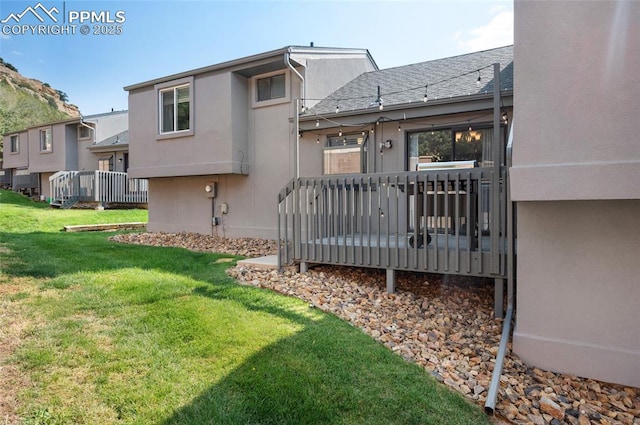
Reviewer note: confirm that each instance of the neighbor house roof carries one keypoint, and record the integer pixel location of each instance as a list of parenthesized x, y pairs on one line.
[(115, 142), (450, 77)]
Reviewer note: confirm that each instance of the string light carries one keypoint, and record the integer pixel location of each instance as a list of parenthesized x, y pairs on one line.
[(318, 140), (399, 127), (317, 123), (425, 98), (340, 132), (505, 117)]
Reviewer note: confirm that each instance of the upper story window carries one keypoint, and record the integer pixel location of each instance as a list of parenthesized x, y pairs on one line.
[(14, 142), (175, 114), (175, 108), (270, 89), (46, 141), (84, 132)]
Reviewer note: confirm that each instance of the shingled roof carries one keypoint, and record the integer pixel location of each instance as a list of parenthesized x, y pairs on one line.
[(115, 140), (446, 78)]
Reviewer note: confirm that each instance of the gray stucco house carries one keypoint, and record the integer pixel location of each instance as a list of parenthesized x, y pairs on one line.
[(227, 128)]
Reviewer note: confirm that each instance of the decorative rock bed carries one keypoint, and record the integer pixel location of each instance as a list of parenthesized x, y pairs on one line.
[(443, 323)]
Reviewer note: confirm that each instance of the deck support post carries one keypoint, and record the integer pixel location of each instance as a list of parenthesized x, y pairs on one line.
[(498, 299), (304, 266), (391, 281)]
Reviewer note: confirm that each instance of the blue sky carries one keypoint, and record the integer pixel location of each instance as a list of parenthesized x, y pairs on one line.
[(165, 37)]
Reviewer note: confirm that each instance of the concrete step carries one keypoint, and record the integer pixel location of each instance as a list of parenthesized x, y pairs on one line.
[(266, 262)]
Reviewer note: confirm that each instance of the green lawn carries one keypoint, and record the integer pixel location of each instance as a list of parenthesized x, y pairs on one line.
[(124, 334)]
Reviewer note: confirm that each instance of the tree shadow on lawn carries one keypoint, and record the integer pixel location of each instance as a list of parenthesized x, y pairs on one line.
[(327, 373)]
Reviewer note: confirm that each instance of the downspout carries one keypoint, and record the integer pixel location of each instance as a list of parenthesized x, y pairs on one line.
[(82, 123), (287, 57), (492, 395)]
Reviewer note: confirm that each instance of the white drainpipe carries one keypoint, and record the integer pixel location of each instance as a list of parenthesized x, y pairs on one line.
[(89, 127), (297, 108)]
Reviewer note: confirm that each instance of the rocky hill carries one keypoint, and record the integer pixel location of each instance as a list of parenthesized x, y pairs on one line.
[(25, 102)]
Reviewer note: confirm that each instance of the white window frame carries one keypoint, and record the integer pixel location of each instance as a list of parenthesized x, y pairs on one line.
[(44, 148), (255, 103), (174, 85), (14, 148)]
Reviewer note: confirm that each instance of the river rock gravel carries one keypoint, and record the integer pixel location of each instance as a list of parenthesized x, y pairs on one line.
[(443, 323)]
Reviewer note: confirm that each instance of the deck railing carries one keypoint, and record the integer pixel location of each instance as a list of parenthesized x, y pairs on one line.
[(68, 187), (25, 182), (440, 221)]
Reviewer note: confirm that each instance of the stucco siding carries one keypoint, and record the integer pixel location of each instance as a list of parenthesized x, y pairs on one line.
[(328, 74), (219, 130), (47, 161), (578, 288), (45, 190), (247, 147), (181, 205), (71, 147), (575, 177), (18, 159), (577, 110)]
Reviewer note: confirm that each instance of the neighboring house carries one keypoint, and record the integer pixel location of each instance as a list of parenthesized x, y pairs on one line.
[(217, 143), (112, 152), (576, 180), (34, 154)]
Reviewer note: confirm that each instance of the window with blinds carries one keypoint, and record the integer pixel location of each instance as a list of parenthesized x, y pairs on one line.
[(46, 140)]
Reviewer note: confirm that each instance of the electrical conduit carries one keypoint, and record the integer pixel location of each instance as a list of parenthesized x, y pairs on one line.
[(492, 395)]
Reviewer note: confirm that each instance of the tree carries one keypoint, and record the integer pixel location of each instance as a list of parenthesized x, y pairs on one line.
[(63, 96), (8, 65)]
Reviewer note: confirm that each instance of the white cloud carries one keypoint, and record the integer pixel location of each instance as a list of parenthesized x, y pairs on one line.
[(5, 37), (498, 32), (17, 53)]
